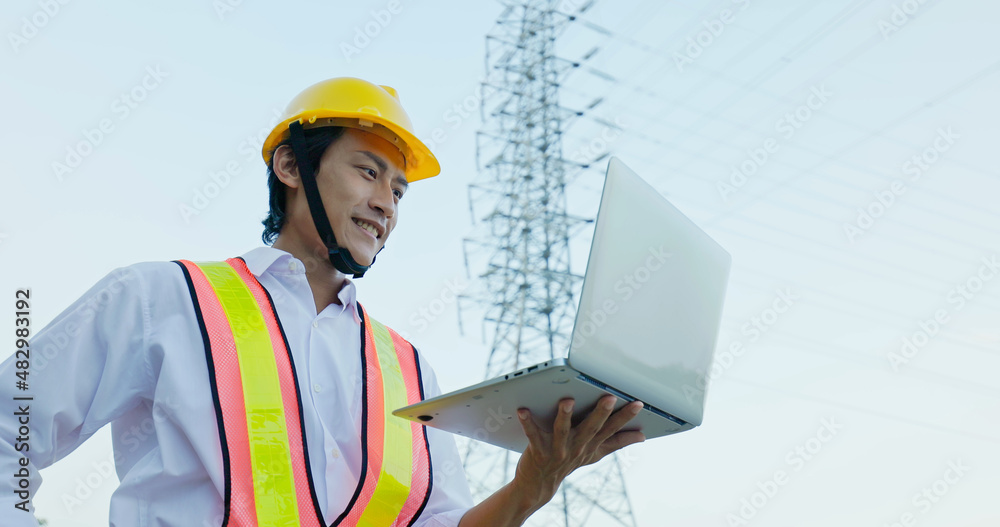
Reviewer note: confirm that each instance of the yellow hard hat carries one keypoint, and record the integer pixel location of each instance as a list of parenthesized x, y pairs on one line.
[(356, 103)]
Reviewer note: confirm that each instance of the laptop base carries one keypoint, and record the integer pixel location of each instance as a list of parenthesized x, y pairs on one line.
[(488, 411)]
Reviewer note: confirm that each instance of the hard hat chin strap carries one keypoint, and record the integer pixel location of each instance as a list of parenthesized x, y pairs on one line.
[(340, 257)]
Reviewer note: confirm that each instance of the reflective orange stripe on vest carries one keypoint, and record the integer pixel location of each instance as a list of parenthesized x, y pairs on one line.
[(258, 405)]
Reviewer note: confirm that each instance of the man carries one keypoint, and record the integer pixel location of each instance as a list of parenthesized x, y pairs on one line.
[(257, 391)]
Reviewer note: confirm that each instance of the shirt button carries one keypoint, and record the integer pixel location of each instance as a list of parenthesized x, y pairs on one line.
[(335, 453), (292, 266), (317, 388), (315, 323)]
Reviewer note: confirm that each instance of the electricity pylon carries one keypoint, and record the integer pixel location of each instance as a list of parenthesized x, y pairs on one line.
[(527, 288)]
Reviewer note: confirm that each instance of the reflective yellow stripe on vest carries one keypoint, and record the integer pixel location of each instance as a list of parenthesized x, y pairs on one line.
[(273, 487)]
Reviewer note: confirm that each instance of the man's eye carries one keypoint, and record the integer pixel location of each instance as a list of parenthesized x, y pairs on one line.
[(398, 193), (369, 171)]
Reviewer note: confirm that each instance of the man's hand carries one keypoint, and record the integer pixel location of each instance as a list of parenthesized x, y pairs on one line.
[(552, 455)]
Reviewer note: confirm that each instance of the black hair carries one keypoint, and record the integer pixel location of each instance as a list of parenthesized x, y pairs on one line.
[(317, 141)]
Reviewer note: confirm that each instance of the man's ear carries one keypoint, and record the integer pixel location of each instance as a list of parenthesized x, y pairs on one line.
[(285, 167)]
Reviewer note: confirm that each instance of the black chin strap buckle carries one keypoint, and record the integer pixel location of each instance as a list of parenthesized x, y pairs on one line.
[(342, 260)]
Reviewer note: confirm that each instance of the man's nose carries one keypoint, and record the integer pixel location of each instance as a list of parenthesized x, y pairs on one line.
[(383, 199)]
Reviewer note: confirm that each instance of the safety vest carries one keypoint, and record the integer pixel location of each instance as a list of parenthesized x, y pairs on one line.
[(259, 410)]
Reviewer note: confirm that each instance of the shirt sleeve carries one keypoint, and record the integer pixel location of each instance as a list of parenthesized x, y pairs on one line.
[(450, 497), (86, 369)]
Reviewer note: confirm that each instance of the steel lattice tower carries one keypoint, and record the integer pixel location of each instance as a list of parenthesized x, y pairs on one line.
[(527, 288)]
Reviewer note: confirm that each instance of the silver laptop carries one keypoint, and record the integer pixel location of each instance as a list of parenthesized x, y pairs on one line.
[(646, 328)]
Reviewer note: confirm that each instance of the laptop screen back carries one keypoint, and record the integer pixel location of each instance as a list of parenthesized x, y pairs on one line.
[(652, 299)]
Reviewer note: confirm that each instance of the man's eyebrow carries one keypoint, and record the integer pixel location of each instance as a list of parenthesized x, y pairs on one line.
[(403, 182), (376, 159), (382, 166)]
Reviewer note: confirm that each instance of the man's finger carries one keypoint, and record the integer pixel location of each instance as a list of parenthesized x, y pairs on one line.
[(619, 441), (594, 423), (618, 420), (561, 427), (531, 429)]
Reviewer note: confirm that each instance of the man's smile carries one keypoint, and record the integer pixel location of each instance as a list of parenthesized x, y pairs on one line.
[(374, 229)]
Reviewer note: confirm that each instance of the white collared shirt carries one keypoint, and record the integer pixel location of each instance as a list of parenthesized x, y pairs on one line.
[(129, 352)]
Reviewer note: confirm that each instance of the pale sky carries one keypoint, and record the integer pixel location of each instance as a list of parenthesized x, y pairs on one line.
[(865, 198)]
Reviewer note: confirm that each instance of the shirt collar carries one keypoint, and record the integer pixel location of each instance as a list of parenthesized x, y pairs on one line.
[(264, 258), (276, 261)]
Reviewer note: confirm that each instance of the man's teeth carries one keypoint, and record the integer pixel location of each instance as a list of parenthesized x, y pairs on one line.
[(368, 227)]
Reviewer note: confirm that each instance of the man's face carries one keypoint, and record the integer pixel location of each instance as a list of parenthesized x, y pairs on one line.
[(361, 180)]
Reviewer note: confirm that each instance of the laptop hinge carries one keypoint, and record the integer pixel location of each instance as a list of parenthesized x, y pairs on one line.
[(586, 378)]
